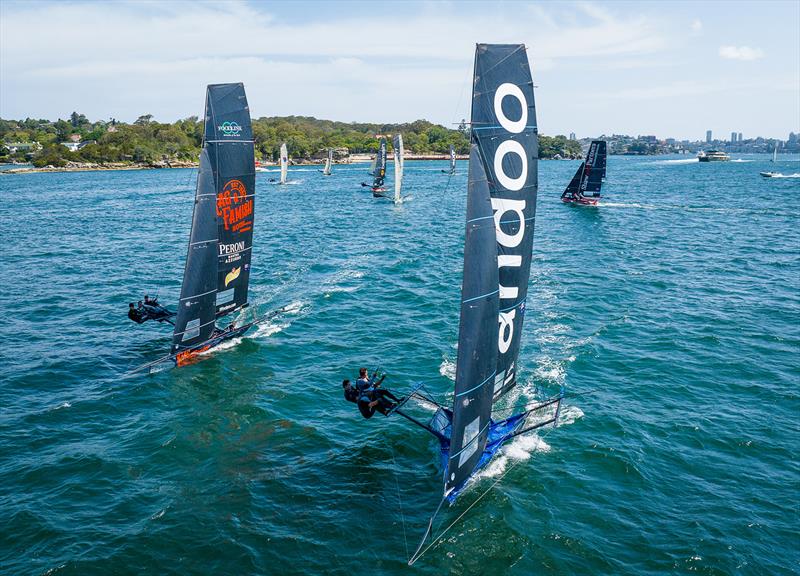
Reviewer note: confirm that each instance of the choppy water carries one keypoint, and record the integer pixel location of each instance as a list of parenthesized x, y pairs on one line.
[(676, 303)]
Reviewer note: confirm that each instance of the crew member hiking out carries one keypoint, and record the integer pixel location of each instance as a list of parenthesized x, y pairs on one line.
[(370, 396), (135, 314)]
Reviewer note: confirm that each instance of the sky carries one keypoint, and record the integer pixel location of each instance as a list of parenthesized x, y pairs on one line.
[(670, 69)]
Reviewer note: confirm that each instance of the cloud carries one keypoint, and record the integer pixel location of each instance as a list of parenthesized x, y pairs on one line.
[(697, 27), (153, 56), (744, 53)]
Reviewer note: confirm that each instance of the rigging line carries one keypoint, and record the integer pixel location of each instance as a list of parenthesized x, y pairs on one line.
[(399, 499), (419, 554)]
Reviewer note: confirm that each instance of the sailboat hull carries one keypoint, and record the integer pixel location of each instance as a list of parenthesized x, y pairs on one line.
[(190, 355), (581, 201)]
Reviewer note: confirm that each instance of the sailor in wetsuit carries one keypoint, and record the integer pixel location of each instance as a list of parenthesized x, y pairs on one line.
[(350, 392), (135, 314), (371, 397)]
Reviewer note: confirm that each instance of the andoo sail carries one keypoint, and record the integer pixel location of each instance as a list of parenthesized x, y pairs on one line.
[(399, 164), (501, 206), (284, 163), (326, 171), (217, 273), (452, 169), (584, 188)]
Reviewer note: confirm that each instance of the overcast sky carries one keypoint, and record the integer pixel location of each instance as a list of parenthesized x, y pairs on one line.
[(665, 68)]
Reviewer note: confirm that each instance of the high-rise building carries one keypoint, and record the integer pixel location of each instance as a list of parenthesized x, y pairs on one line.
[(572, 135), (740, 137), (733, 137), (708, 136)]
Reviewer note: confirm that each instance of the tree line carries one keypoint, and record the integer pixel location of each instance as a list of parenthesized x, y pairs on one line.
[(149, 141)]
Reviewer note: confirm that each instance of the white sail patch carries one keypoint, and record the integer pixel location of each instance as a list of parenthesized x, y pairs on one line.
[(468, 444), (192, 329)]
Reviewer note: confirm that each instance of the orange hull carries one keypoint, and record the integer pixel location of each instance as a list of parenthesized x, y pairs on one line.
[(188, 356)]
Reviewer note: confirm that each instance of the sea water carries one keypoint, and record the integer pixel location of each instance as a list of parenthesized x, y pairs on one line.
[(671, 314)]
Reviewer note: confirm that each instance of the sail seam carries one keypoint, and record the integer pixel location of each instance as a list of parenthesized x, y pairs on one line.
[(203, 241)]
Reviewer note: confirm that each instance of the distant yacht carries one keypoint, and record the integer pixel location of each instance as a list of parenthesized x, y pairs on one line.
[(713, 156)]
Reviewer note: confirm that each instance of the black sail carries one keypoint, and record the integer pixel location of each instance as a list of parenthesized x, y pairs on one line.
[(379, 174), (504, 129), (501, 204), (593, 169), (196, 311), (476, 365), (575, 184), (217, 272), (229, 141), (601, 158)]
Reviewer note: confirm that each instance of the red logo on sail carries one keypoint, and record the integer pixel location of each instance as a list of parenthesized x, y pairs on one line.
[(235, 207)]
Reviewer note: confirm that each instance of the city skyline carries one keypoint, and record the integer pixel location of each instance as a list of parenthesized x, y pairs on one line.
[(675, 70)]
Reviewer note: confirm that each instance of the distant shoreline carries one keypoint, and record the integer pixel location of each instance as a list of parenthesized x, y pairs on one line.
[(90, 167)]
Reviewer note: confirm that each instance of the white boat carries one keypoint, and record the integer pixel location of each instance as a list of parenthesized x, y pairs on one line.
[(713, 156)]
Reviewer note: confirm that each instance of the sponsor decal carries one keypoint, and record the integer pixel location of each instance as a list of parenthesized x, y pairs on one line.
[(230, 129), (232, 275), (508, 208), (231, 252), (235, 207)]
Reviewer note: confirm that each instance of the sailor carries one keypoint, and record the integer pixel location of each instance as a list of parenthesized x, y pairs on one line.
[(371, 397), (135, 314), (364, 382), (150, 301), (350, 393)]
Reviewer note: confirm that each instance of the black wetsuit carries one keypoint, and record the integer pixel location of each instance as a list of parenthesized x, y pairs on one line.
[(136, 315), (351, 394)]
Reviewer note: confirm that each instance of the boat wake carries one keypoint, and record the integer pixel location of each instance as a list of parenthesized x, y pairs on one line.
[(335, 284), (681, 161), (448, 368), (523, 447), (280, 322)]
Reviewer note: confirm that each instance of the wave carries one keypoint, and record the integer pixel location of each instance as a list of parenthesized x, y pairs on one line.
[(526, 445), (448, 368)]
